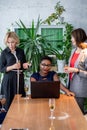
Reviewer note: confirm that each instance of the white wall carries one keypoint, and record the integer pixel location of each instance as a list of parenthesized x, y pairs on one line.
[(26, 10)]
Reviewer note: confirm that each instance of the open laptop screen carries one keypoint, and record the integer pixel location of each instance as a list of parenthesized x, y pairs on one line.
[(45, 89)]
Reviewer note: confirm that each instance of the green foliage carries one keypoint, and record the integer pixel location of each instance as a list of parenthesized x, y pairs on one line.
[(0, 49), (67, 40), (63, 76), (59, 9), (33, 44), (63, 49)]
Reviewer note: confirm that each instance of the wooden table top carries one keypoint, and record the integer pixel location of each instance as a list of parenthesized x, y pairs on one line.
[(34, 115)]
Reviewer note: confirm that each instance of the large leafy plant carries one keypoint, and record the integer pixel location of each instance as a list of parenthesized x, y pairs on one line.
[(33, 44), (63, 49)]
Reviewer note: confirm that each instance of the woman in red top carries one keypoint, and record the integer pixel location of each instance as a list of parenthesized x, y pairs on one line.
[(77, 68), (72, 62)]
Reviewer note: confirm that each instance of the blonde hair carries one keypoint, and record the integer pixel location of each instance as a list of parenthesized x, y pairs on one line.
[(83, 45), (11, 35)]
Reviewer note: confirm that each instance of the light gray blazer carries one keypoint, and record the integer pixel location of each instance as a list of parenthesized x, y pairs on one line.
[(78, 84)]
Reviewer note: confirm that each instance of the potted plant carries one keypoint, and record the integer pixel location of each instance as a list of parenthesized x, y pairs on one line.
[(33, 44), (63, 49), (59, 9), (58, 51)]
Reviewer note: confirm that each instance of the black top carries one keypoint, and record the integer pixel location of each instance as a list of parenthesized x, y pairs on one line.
[(48, 77), (9, 82), (8, 59)]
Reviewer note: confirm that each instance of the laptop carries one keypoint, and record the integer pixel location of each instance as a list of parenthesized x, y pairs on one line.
[(45, 89)]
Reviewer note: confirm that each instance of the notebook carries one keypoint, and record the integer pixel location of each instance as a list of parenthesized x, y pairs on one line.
[(45, 89)]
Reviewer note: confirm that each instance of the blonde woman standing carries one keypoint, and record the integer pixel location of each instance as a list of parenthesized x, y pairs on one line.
[(12, 59)]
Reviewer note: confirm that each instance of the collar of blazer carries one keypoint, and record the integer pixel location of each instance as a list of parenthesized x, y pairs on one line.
[(82, 53)]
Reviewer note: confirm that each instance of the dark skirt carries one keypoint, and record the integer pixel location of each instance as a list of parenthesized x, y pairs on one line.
[(9, 86)]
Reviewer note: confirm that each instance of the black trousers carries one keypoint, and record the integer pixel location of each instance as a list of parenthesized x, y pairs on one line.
[(80, 102), (2, 116)]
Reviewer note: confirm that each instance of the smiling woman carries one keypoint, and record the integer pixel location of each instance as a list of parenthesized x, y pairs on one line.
[(45, 74)]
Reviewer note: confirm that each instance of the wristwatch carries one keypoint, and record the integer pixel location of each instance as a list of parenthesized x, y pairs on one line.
[(78, 71)]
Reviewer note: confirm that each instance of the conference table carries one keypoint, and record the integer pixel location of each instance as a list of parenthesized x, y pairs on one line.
[(34, 114)]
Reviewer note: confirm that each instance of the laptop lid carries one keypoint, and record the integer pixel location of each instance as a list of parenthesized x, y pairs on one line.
[(45, 89)]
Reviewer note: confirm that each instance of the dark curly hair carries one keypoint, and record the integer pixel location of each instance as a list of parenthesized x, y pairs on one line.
[(46, 58)]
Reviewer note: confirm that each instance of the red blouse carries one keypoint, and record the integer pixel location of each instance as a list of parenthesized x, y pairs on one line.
[(72, 62)]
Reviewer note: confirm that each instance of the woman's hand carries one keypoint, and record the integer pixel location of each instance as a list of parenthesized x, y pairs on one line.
[(69, 93), (3, 101), (66, 90), (16, 66), (26, 65), (68, 69)]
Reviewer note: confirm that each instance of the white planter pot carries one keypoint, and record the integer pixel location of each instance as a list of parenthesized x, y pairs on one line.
[(60, 64)]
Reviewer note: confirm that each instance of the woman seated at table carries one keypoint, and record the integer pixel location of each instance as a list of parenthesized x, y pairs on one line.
[(2, 110), (45, 74)]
